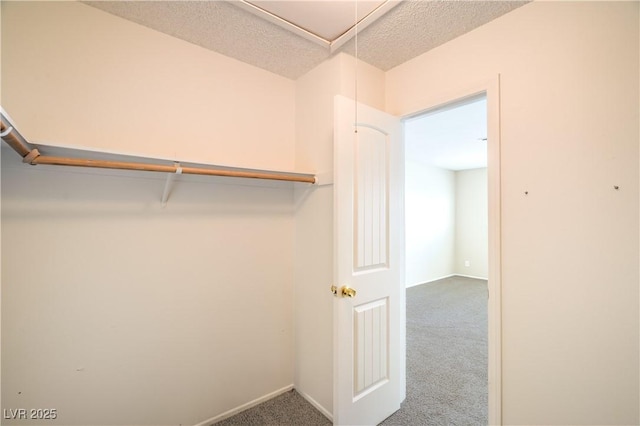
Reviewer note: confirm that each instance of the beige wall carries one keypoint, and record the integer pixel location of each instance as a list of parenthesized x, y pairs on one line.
[(569, 129), (78, 76), (430, 221), (472, 225), (115, 311), (313, 264), (446, 221), (313, 305), (93, 322)]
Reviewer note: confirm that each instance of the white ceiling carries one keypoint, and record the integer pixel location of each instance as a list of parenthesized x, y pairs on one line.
[(452, 138), (403, 32)]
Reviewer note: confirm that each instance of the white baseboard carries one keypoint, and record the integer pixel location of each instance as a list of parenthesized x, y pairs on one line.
[(244, 407), (471, 276), (432, 280), (448, 276), (317, 406)]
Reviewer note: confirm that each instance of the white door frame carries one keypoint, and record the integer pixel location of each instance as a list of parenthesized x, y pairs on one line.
[(491, 88)]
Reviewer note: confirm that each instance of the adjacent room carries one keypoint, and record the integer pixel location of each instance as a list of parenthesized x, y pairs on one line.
[(446, 193), (203, 279), (446, 210)]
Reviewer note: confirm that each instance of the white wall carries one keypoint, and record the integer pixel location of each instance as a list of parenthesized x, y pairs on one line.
[(446, 221), (569, 133), (472, 225), (115, 311), (313, 317), (430, 221)]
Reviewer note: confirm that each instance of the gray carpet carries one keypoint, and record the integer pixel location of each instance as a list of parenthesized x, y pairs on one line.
[(446, 363), (289, 409), (446, 354)]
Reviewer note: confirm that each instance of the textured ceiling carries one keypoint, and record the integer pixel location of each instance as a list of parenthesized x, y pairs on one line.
[(408, 30)]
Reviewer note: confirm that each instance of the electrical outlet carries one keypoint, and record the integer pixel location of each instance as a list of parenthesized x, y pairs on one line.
[(467, 263)]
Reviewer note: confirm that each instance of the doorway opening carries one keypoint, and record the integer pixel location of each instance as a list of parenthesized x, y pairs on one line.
[(447, 261)]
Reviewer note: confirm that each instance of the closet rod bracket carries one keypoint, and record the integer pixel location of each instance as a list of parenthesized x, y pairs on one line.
[(31, 156), (167, 185)]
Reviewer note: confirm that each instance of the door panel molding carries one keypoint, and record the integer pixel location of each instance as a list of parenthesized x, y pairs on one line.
[(369, 323)]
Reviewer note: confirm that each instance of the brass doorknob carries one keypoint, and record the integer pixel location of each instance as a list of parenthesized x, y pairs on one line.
[(347, 292)]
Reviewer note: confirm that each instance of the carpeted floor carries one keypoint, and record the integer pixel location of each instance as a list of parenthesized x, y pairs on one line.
[(288, 409), (446, 363), (446, 354)]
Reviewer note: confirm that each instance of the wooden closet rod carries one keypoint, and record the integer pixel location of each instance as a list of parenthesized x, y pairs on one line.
[(122, 165), (32, 156)]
